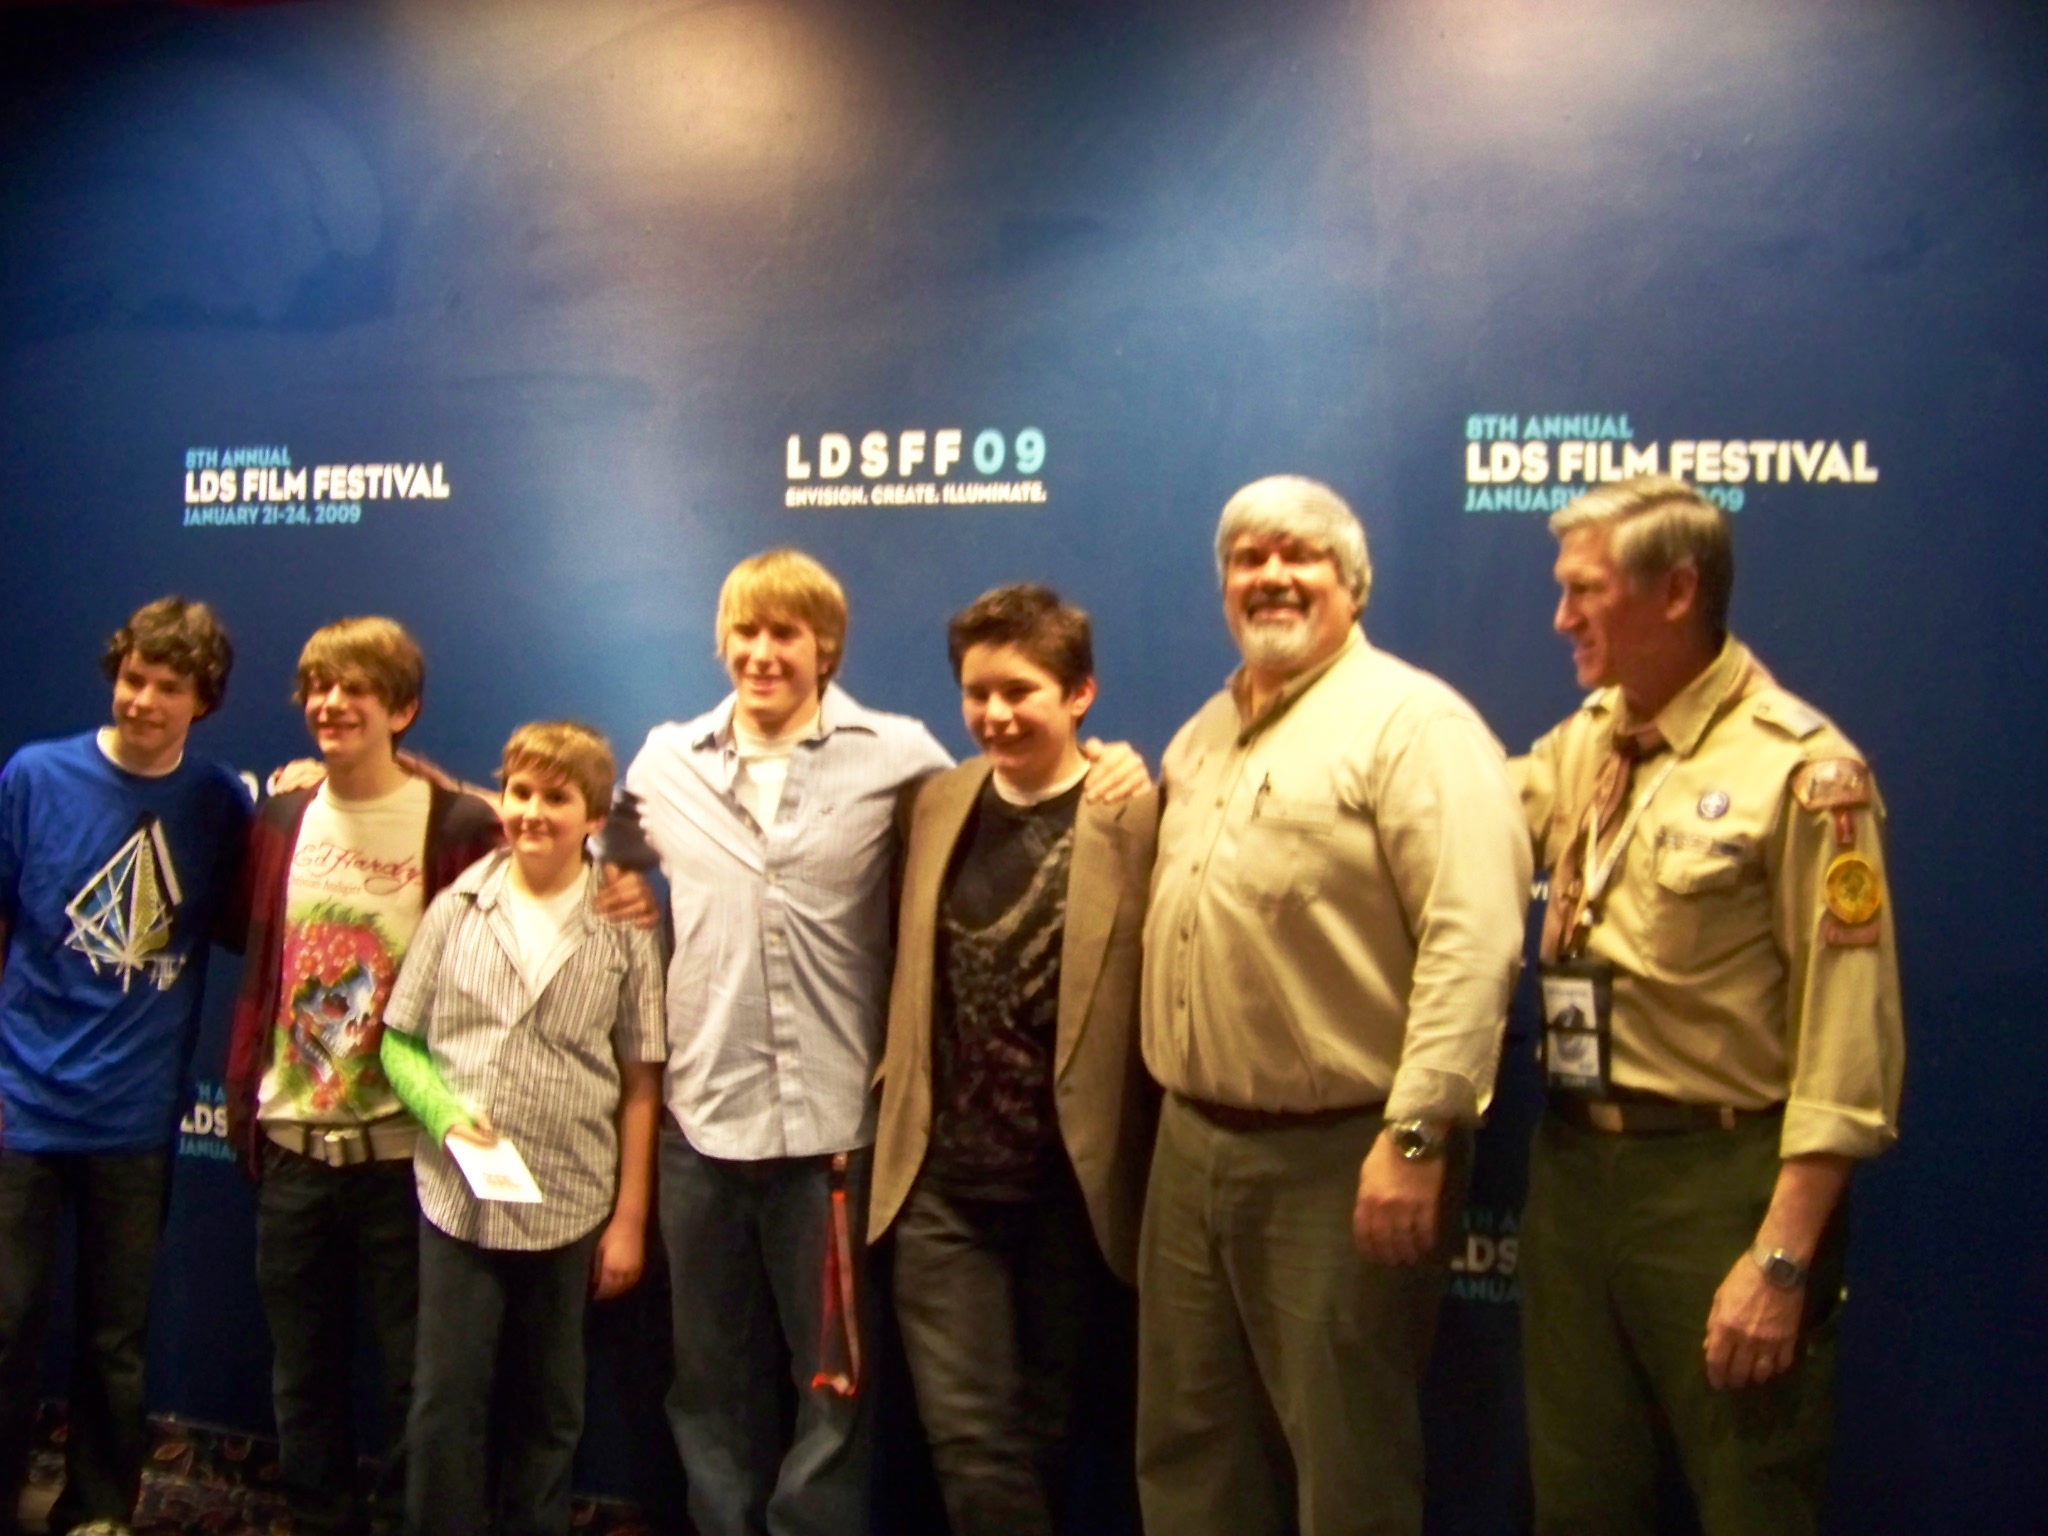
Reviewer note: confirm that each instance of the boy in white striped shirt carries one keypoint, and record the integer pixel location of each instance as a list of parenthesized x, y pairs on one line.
[(521, 1014)]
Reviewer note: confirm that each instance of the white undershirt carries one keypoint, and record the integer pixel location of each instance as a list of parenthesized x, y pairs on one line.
[(105, 741), (1017, 796), (764, 766), (544, 930)]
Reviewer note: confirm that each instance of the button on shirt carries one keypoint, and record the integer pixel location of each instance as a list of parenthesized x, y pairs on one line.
[(1336, 913), (779, 984), (543, 1066), (1727, 989)]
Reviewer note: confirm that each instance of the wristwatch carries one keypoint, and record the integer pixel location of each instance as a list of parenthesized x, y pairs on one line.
[(1781, 1271), (1416, 1140)]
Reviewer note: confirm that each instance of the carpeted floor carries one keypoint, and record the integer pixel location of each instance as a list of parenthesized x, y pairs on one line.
[(206, 1482)]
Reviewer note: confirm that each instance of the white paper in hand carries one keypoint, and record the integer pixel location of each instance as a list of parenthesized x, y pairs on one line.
[(496, 1172)]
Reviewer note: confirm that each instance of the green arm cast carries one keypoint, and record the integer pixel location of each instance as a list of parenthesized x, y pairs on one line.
[(409, 1066)]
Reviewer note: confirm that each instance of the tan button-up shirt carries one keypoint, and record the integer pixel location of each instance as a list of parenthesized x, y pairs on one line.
[(1337, 904), (1734, 983)]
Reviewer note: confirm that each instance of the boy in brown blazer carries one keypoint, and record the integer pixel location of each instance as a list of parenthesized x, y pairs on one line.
[(1016, 1117)]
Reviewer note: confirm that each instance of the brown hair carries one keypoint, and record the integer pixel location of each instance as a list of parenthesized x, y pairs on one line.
[(1052, 634), (181, 634), (1659, 523), (377, 650), (565, 749)]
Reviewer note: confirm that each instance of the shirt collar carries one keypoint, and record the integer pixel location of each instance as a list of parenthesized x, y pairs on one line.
[(1295, 687), (489, 882), (837, 711), (1685, 720)]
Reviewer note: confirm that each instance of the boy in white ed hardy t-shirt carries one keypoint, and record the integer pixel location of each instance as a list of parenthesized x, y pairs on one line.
[(522, 1021), (337, 880)]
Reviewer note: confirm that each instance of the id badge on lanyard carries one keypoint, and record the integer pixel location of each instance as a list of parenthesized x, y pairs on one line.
[(1578, 1018)]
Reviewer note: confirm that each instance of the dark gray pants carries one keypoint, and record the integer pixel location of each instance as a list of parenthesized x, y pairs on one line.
[(994, 1300), (117, 1204), (332, 1245), (497, 1391)]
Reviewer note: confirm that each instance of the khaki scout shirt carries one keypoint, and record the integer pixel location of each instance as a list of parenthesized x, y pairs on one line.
[(1336, 913), (1734, 983)]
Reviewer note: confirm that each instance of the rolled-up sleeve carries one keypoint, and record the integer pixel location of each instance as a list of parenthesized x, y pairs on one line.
[(1845, 1034)]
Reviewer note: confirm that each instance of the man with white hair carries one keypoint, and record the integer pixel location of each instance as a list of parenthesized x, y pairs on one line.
[(1335, 927)]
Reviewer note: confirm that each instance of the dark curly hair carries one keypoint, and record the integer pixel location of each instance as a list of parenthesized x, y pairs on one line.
[(181, 634)]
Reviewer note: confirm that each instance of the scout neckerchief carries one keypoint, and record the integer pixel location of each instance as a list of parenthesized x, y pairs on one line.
[(1582, 875), (1574, 894)]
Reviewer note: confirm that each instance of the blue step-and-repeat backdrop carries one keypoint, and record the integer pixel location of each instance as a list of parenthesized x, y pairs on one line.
[(522, 320)]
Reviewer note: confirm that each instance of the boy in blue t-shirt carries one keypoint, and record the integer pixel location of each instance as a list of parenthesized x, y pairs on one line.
[(117, 853)]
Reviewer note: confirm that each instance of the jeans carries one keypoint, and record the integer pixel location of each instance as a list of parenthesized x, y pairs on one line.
[(497, 1406), (995, 1300), (332, 1243), (747, 1245), (117, 1205)]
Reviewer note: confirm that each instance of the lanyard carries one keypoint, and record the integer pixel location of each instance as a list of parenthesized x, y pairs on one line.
[(1599, 871)]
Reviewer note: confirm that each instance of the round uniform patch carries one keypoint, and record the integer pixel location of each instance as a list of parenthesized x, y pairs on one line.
[(1714, 805), (1855, 891)]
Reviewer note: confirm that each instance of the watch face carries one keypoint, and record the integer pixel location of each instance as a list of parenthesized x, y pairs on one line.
[(1782, 1272), (1415, 1143)]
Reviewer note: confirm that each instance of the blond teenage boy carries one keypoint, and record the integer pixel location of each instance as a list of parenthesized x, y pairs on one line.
[(776, 818)]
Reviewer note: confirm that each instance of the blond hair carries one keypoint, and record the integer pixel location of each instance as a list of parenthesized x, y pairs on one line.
[(786, 584)]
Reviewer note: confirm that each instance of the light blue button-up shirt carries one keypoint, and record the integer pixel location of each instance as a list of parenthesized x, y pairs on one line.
[(779, 984)]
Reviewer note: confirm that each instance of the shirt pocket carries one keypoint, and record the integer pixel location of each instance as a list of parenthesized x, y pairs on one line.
[(1709, 901), (1283, 853)]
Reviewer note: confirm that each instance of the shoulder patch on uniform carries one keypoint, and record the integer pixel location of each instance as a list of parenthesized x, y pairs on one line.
[(1789, 715), (1831, 783), (1855, 890)]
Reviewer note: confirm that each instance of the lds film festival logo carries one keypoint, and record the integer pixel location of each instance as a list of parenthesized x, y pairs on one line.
[(1538, 463), (261, 487), (914, 467)]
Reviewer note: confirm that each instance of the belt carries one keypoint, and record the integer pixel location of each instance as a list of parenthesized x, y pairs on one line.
[(344, 1146), (1648, 1116), (1229, 1117)]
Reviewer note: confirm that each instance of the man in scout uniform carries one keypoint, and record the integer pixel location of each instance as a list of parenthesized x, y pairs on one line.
[(1722, 1040)]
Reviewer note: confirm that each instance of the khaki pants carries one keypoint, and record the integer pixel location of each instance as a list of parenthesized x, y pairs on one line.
[(1625, 1239), (1277, 1369)]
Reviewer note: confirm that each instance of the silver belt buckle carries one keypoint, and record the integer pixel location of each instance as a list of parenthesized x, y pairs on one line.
[(336, 1143)]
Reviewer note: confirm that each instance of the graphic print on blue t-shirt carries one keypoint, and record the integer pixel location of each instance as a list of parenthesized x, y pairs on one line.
[(110, 884), (126, 917)]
